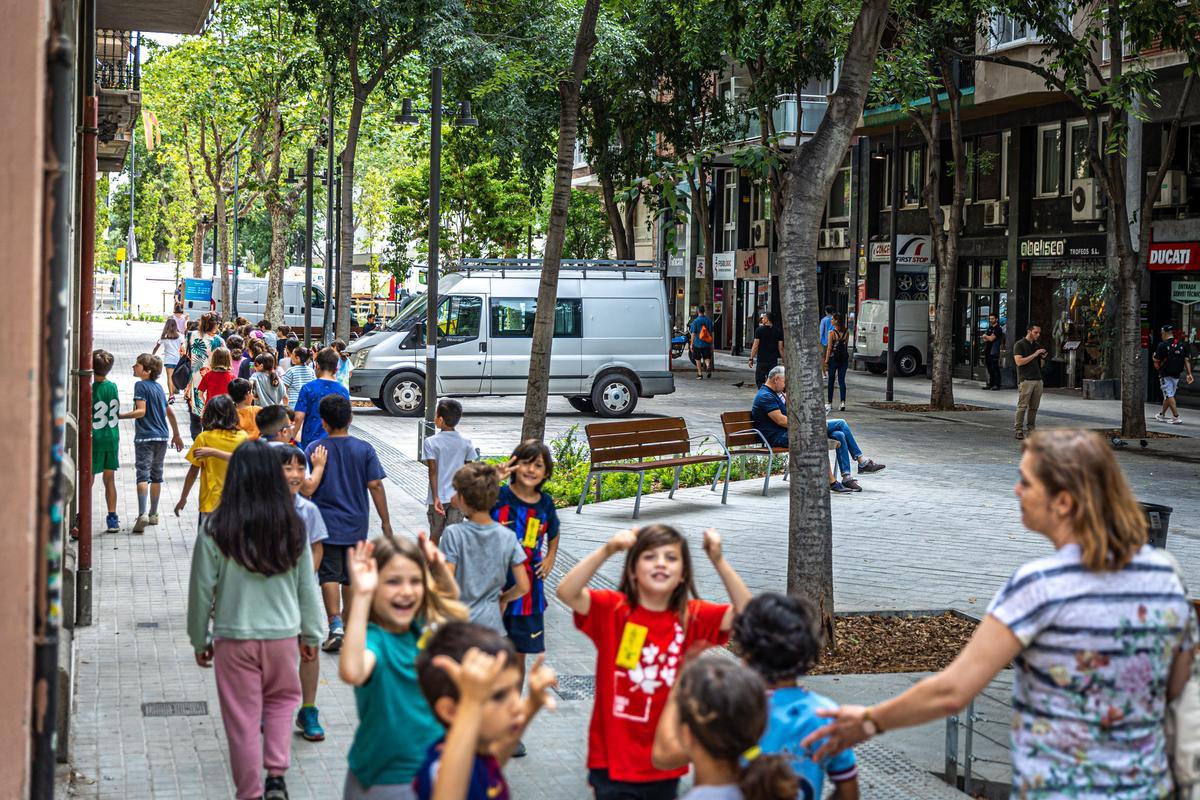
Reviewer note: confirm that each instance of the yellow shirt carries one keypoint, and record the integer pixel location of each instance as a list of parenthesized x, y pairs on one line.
[(246, 420), (212, 470)]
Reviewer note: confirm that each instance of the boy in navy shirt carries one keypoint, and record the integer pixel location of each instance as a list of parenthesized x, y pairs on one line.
[(352, 474), (151, 414), (308, 414)]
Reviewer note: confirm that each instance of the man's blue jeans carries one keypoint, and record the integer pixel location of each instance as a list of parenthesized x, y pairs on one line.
[(839, 431)]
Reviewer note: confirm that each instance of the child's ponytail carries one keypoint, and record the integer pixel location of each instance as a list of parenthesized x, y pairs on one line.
[(267, 362), (724, 706)]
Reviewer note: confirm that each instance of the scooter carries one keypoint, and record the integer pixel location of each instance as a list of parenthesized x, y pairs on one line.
[(679, 343)]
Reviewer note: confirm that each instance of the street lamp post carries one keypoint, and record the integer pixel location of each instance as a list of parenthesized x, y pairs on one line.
[(237, 179), (464, 119), (308, 176), (327, 326)]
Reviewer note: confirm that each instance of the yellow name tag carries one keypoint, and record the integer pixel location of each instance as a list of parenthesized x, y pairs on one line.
[(532, 528), (629, 654)]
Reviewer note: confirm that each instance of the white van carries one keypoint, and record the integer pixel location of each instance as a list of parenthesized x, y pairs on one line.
[(912, 336), (611, 340), (252, 301)]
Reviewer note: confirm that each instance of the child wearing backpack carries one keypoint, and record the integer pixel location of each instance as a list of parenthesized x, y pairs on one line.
[(252, 575), (401, 591), (642, 633), (713, 720)]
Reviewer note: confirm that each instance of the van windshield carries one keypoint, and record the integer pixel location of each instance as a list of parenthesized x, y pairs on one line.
[(414, 311)]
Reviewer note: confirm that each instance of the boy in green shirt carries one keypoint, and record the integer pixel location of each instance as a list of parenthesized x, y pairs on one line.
[(106, 410)]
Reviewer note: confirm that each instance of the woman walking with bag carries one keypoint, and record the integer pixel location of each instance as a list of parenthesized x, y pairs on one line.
[(837, 359), (1100, 634)]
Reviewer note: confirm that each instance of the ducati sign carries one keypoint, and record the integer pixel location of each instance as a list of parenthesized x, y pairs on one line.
[(1174, 256)]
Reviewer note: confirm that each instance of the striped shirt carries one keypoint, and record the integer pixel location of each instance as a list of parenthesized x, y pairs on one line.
[(1089, 689), (295, 379)]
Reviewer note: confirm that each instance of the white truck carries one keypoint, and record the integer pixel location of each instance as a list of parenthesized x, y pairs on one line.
[(911, 332)]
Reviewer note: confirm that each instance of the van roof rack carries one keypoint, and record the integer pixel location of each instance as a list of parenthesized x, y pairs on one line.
[(605, 265)]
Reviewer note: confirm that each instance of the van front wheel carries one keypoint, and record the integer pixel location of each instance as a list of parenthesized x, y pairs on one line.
[(404, 395), (908, 361), (614, 395)]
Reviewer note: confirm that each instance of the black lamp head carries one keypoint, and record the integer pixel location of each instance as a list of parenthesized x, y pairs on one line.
[(406, 115), (464, 118)]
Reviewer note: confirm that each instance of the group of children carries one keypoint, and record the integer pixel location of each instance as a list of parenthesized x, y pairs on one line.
[(433, 634)]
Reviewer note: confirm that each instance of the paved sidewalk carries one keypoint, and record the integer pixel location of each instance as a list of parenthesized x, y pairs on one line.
[(938, 529)]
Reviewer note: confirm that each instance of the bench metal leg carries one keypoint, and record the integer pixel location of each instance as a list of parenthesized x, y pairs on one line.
[(767, 477), (787, 466), (725, 491), (717, 474), (674, 484), (583, 494), (637, 503)]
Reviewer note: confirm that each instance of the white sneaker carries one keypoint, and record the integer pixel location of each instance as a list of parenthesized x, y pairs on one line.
[(842, 407), (141, 523), (828, 408), (1161, 417), (1176, 421)]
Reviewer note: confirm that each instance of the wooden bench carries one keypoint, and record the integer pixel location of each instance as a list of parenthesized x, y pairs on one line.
[(743, 439), (639, 445)]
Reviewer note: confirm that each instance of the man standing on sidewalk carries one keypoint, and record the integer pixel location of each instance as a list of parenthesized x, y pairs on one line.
[(993, 343), (702, 343), (1171, 359), (767, 349), (1029, 359)]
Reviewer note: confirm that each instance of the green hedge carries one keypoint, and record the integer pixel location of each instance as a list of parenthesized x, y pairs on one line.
[(571, 462)]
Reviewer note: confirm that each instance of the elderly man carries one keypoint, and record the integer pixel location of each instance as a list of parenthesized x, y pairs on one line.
[(769, 414), (767, 349)]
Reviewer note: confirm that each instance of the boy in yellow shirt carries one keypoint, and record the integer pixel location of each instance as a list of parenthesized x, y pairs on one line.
[(221, 433)]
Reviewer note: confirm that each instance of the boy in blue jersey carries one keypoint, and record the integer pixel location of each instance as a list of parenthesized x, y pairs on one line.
[(779, 637)]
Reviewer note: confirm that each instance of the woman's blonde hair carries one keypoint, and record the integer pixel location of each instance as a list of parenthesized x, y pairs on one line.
[(436, 607), (1107, 520)]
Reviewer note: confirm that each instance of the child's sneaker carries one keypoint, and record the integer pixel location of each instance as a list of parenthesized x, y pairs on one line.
[(276, 789), (113, 523), (152, 519), (1175, 421), (140, 523), (309, 724), (336, 632), (1161, 417)]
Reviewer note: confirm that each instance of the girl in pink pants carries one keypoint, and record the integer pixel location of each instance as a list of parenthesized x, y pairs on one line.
[(250, 596)]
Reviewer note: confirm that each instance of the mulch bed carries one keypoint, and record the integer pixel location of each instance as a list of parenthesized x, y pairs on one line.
[(924, 407), (362, 404), (874, 644), (1108, 433)]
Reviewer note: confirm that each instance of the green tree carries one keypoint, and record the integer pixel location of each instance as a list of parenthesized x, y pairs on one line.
[(589, 234), (1113, 95)]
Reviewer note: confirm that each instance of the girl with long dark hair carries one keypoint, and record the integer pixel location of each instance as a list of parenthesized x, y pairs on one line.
[(252, 575)]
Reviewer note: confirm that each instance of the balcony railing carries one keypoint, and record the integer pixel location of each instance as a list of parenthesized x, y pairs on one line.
[(792, 115), (117, 62)]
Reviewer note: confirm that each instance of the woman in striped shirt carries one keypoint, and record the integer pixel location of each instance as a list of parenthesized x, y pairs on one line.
[(1100, 635), (300, 373)]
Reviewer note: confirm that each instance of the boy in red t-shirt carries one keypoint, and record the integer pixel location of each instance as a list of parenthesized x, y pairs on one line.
[(642, 634)]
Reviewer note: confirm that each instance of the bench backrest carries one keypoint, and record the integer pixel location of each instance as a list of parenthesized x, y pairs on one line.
[(737, 426), (635, 439)]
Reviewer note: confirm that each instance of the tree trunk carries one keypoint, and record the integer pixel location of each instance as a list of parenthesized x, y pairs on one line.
[(534, 424), (198, 250), (806, 187), (941, 389), (345, 280), (612, 212), (631, 228), (280, 223)]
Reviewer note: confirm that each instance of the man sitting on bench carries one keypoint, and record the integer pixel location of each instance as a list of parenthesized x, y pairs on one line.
[(769, 413)]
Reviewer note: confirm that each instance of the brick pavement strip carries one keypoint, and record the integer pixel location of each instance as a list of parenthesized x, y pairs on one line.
[(938, 529)]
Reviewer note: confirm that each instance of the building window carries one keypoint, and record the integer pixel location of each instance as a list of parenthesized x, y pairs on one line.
[(1049, 160), (1080, 167), (760, 202), (912, 183), (885, 164), (838, 209), (641, 222), (729, 200), (1005, 144), (1005, 31)]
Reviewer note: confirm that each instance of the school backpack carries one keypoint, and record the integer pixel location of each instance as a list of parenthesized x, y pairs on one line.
[(182, 375), (705, 333)]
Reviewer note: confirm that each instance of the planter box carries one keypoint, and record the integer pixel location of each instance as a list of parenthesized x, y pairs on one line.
[(1101, 389)]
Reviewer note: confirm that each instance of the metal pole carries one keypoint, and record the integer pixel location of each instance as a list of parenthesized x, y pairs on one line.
[(308, 238), (891, 342), (127, 267), (87, 291), (435, 214), (331, 308), (237, 178), (327, 324)]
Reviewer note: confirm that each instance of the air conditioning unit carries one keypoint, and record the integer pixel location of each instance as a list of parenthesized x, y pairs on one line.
[(946, 217), (1172, 192), (823, 239), (1086, 202), (837, 237), (760, 233), (995, 213)]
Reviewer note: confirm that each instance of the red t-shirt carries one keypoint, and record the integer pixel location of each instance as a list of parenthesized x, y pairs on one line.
[(215, 382), (630, 699)]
